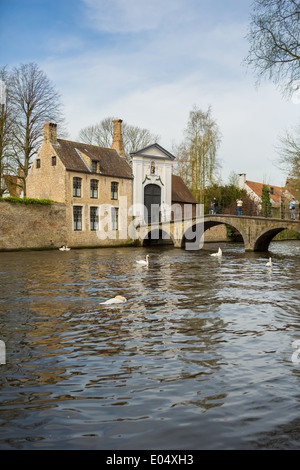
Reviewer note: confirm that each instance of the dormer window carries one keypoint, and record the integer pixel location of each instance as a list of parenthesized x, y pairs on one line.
[(271, 190), (94, 166)]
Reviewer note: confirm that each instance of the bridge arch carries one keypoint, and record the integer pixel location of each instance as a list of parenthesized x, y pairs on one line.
[(207, 224), (158, 236), (265, 237)]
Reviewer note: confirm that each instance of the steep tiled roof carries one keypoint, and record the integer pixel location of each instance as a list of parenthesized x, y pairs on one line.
[(111, 164), (180, 192), (257, 189)]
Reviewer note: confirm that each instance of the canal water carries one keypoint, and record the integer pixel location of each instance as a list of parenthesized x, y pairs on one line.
[(201, 356)]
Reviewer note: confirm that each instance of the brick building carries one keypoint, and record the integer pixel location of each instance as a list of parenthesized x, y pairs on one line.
[(98, 186), (92, 181)]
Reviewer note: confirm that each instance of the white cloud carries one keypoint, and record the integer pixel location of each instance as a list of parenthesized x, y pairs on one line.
[(250, 120), (64, 43), (123, 16), (155, 84)]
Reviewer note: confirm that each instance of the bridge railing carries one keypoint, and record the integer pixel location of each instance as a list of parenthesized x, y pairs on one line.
[(286, 213), (252, 209)]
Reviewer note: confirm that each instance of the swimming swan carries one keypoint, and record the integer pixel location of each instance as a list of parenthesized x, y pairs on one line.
[(118, 299), (64, 248), (144, 262), (269, 263), (219, 253)]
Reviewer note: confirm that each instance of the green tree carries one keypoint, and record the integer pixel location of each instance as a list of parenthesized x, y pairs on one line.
[(226, 195), (197, 154), (265, 201)]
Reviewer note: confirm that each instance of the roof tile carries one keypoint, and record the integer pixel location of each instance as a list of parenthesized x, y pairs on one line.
[(180, 192), (111, 164), (257, 189)]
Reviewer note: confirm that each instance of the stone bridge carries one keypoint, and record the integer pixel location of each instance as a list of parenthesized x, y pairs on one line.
[(257, 232)]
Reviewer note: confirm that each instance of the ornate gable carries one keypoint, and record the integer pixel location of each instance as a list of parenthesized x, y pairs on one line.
[(154, 151)]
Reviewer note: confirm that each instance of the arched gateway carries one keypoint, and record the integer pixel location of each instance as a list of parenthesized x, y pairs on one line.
[(152, 203)]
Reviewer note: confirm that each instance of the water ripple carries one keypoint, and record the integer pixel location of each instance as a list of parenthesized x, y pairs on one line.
[(199, 357)]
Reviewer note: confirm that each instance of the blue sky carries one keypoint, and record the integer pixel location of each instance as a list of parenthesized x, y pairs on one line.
[(149, 62)]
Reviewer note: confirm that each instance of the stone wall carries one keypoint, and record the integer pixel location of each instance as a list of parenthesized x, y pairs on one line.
[(37, 226), (32, 226), (216, 234)]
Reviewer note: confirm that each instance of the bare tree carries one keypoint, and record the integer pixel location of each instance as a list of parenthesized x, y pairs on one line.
[(289, 153), (197, 154), (136, 138), (274, 37), (102, 134), (6, 126), (233, 179), (289, 158), (34, 101)]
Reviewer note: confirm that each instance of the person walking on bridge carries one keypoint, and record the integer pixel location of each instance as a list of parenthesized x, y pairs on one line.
[(292, 206), (239, 204), (216, 206)]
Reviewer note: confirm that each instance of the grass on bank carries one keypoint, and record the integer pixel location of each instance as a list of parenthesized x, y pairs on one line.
[(26, 200)]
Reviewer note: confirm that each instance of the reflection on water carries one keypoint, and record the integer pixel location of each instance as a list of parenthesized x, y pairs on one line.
[(198, 358)]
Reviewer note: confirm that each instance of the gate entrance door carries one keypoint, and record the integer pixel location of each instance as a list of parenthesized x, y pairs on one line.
[(152, 202)]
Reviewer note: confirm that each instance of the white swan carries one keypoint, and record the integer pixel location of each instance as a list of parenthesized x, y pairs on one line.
[(269, 263), (118, 299), (64, 248), (144, 262), (219, 253)]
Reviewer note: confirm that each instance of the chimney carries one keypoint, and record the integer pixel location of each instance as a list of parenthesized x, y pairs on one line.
[(242, 180), (118, 143), (50, 133)]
